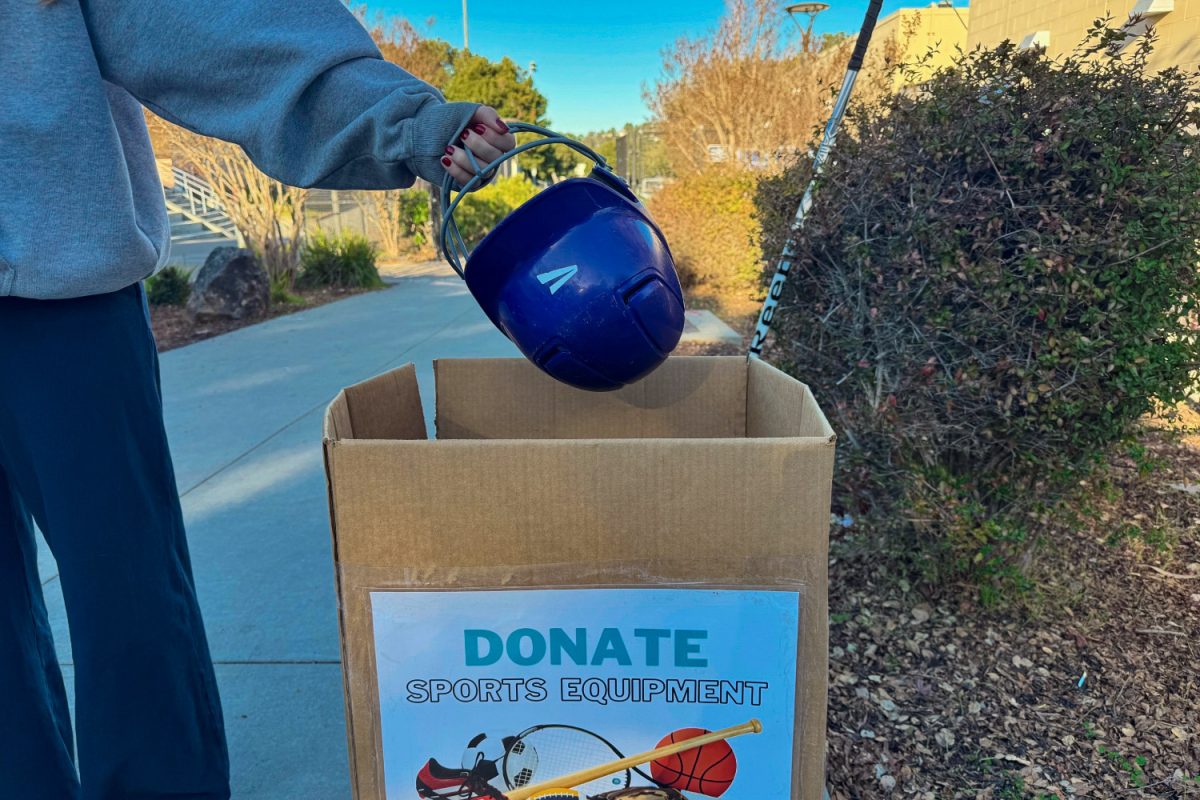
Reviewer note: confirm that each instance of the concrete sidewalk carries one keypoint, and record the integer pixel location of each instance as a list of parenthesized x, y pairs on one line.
[(244, 415)]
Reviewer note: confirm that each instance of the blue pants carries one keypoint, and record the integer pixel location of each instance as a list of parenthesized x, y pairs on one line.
[(83, 452)]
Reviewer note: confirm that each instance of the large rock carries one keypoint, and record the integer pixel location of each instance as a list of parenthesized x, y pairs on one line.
[(230, 285)]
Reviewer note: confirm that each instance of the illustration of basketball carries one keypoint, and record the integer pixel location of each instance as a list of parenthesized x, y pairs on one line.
[(707, 770)]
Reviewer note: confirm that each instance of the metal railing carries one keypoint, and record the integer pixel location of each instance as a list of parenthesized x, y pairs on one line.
[(199, 195), (196, 200)]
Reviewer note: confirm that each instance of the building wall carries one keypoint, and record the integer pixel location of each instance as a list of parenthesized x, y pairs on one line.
[(1066, 22), (913, 31)]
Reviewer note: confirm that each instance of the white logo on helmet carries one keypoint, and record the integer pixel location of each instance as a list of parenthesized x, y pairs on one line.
[(558, 276)]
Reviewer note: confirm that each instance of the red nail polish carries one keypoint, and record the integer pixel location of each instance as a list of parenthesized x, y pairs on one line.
[(446, 161), (479, 129), (449, 151), (500, 126), (464, 135)]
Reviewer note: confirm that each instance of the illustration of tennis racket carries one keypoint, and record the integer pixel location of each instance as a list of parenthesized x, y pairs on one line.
[(546, 751)]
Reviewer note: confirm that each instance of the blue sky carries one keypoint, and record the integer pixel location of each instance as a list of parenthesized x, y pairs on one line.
[(592, 59)]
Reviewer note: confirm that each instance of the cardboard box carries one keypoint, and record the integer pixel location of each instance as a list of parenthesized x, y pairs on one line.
[(710, 476)]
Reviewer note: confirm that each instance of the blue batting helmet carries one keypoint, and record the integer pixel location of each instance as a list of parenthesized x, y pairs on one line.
[(578, 277)]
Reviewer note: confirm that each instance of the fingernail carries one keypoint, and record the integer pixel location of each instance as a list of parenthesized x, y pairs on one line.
[(464, 135), (449, 151), (479, 129), (446, 161), (500, 126)]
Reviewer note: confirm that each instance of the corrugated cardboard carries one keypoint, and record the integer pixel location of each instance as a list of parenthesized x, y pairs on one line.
[(711, 471)]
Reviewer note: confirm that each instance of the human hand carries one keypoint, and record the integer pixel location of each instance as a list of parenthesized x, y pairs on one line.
[(486, 136)]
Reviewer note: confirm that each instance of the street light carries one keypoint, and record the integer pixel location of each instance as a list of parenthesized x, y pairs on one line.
[(533, 112), (810, 10), (466, 38)]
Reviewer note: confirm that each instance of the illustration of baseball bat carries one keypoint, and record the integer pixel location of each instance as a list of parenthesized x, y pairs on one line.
[(599, 771)]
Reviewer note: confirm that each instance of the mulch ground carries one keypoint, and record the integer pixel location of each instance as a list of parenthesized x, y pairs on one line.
[(1089, 686), (1091, 689), (705, 349), (174, 328)]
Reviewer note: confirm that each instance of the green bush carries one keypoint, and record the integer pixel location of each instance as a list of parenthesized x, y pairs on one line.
[(709, 221), (346, 261), (282, 294), (480, 211), (413, 215), (170, 287), (992, 287)]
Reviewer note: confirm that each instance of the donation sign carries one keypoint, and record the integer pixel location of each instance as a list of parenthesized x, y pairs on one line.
[(484, 691)]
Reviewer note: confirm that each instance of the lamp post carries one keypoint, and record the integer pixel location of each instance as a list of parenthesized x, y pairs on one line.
[(533, 116), (466, 37), (810, 10)]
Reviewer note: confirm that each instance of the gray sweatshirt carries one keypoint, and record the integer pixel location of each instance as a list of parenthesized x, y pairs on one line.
[(297, 83)]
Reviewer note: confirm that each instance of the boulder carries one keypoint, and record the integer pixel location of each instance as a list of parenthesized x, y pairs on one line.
[(230, 285)]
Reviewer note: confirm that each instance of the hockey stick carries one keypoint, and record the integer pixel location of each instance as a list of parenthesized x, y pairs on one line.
[(784, 265)]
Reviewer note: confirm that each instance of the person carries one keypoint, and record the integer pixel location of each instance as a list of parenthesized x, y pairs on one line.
[(301, 87)]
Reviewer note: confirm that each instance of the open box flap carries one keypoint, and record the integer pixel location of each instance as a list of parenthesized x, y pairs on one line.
[(387, 406), (511, 399)]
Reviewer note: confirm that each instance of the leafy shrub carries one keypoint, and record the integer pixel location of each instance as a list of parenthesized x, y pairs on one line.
[(346, 261), (282, 294), (992, 286), (399, 217), (709, 221), (413, 208), (480, 211), (170, 287)]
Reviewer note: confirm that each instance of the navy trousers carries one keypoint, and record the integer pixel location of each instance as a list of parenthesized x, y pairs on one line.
[(83, 452)]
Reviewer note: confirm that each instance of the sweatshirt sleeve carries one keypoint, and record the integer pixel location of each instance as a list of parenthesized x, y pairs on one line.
[(299, 84)]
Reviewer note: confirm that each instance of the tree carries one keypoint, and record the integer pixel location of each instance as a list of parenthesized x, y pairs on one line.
[(400, 218), (747, 89), (269, 215), (509, 89), (501, 84), (402, 44), (550, 163), (461, 75), (604, 143)]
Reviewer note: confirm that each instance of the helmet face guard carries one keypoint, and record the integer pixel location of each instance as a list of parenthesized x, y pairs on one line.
[(579, 277)]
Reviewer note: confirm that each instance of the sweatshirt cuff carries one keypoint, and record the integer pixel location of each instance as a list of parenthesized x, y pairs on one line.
[(436, 126)]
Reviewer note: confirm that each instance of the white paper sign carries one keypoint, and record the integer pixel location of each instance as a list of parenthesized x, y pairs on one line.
[(619, 667)]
